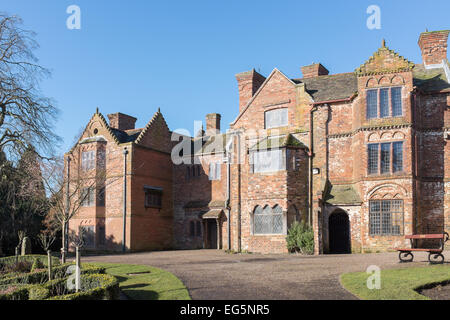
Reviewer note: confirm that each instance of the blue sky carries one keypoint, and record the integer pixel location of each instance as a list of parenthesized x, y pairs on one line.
[(135, 56)]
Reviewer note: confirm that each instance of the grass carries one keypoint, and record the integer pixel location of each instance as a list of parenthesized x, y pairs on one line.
[(146, 283), (396, 284)]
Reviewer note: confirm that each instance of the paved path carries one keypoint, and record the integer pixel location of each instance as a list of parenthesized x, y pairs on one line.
[(213, 274)]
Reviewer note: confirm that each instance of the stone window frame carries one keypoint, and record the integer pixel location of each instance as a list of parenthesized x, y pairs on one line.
[(284, 221), (390, 99), (399, 218), (392, 164)]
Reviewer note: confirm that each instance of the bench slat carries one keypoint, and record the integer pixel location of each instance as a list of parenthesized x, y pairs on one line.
[(425, 236), (427, 250)]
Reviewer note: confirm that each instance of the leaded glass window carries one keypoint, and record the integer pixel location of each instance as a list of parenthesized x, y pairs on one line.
[(268, 220), (372, 158), (269, 160), (380, 160), (88, 160), (386, 217), (276, 118), (384, 103), (396, 100), (214, 171), (372, 104), (397, 156), (385, 158), (87, 197)]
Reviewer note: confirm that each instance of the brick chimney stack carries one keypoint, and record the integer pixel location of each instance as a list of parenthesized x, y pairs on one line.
[(248, 83), (433, 46), (121, 121), (314, 70), (212, 123)]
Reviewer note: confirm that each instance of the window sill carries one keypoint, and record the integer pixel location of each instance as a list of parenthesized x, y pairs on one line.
[(269, 234), (381, 175), (153, 207)]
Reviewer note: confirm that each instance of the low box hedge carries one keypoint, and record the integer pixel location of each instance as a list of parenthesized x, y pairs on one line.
[(41, 276), (93, 287), (29, 258)]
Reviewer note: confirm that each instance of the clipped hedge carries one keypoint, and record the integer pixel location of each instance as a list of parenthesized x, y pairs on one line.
[(20, 293), (94, 286), (41, 276), (28, 258)]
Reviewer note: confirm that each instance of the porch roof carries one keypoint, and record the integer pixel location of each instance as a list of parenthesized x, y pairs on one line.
[(213, 214), (342, 194)]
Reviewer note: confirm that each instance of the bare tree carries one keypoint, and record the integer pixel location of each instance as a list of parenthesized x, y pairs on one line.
[(26, 115), (68, 193)]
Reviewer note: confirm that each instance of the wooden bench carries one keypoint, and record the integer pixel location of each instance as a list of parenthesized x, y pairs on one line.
[(434, 255)]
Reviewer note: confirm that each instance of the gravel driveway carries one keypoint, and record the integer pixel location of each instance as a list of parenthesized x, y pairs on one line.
[(214, 274)]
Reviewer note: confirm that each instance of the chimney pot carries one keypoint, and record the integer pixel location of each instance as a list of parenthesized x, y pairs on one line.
[(121, 121), (433, 46), (213, 123), (314, 70), (248, 83)]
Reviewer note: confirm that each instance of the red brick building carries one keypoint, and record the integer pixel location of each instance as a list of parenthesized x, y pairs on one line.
[(363, 156)]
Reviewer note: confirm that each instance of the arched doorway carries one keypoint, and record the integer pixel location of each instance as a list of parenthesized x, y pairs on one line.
[(339, 232)]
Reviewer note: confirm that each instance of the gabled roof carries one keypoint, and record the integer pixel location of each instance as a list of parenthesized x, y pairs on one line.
[(330, 87), (103, 121), (125, 136), (156, 117), (277, 142), (384, 61), (275, 70)]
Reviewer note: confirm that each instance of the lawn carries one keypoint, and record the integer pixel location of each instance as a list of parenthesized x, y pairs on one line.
[(146, 283), (396, 284)]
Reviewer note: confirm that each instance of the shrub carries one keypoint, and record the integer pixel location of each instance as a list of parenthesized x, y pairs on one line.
[(17, 267), (16, 292), (38, 292), (41, 276), (37, 264), (300, 238), (94, 287), (30, 258)]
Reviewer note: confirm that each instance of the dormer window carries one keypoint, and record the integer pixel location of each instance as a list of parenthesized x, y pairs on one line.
[(384, 102), (276, 118)]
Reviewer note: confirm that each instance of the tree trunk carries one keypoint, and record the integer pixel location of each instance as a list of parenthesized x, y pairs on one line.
[(63, 248), (78, 270), (49, 255)]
